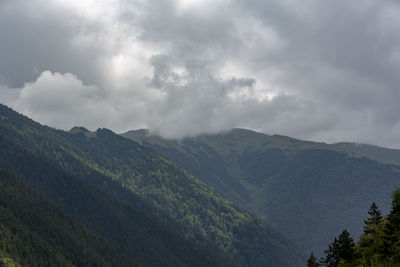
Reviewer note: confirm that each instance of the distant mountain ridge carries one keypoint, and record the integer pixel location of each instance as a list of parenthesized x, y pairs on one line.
[(153, 212), (309, 190), (381, 154), (374, 152)]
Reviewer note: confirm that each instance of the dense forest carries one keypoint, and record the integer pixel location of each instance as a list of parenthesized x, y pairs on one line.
[(36, 233), (377, 246), (138, 202)]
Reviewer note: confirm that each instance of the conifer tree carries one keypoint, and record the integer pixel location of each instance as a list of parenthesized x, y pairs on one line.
[(391, 236), (370, 243), (332, 254), (394, 215), (312, 261), (375, 218), (346, 247), (341, 249)]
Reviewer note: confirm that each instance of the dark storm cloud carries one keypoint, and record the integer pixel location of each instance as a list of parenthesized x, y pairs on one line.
[(320, 70)]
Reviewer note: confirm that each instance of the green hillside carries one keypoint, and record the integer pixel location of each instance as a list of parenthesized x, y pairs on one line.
[(140, 231), (308, 190), (136, 199), (35, 233)]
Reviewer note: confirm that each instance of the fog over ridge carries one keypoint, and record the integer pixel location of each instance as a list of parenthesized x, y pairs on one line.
[(323, 71)]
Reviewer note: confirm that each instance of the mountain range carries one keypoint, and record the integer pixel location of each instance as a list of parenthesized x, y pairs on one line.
[(237, 198), (120, 204), (309, 191)]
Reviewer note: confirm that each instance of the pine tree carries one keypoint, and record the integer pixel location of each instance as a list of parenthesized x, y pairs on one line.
[(375, 218), (391, 238), (341, 249), (371, 245), (312, 261), (394, 215), (332, 254), (346, 247)]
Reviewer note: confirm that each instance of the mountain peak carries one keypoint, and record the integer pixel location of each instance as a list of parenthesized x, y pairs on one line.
[(77, 129), (141, 132), (245, 132)]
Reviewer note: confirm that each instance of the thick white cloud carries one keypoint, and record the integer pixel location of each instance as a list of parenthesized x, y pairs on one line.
[(60, 100), (319, 70)]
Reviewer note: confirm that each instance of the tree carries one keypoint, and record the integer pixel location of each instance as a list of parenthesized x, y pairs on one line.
[(379, 245), (394, 215), (332, 254), (342, 249), (375, 218), (370, 245), (346, 247), (391, 238), (312, 261)]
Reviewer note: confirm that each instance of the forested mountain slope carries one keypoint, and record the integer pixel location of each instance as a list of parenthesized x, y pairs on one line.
[(35, 233), (140, 231), (136, 199), (310, 191)]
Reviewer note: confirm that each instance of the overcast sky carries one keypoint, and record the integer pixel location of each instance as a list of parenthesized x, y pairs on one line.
[(316, 70)]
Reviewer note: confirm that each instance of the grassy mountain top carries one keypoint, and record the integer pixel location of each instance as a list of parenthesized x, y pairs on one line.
[(77, 130), (381, 154)]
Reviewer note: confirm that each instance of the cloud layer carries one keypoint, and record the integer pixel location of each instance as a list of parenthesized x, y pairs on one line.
[(325, 71)]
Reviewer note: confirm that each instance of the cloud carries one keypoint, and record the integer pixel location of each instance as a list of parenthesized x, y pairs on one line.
[(60, 100), (324, 71)]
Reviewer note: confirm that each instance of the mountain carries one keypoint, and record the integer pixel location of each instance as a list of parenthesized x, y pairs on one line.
[(139, 231), (310, 191), (138, 201)]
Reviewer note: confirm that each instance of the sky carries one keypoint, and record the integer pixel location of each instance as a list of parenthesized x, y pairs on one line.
[(315, 70)]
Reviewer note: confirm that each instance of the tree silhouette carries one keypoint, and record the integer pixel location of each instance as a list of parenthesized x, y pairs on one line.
[(312, 261), (341, 249)]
